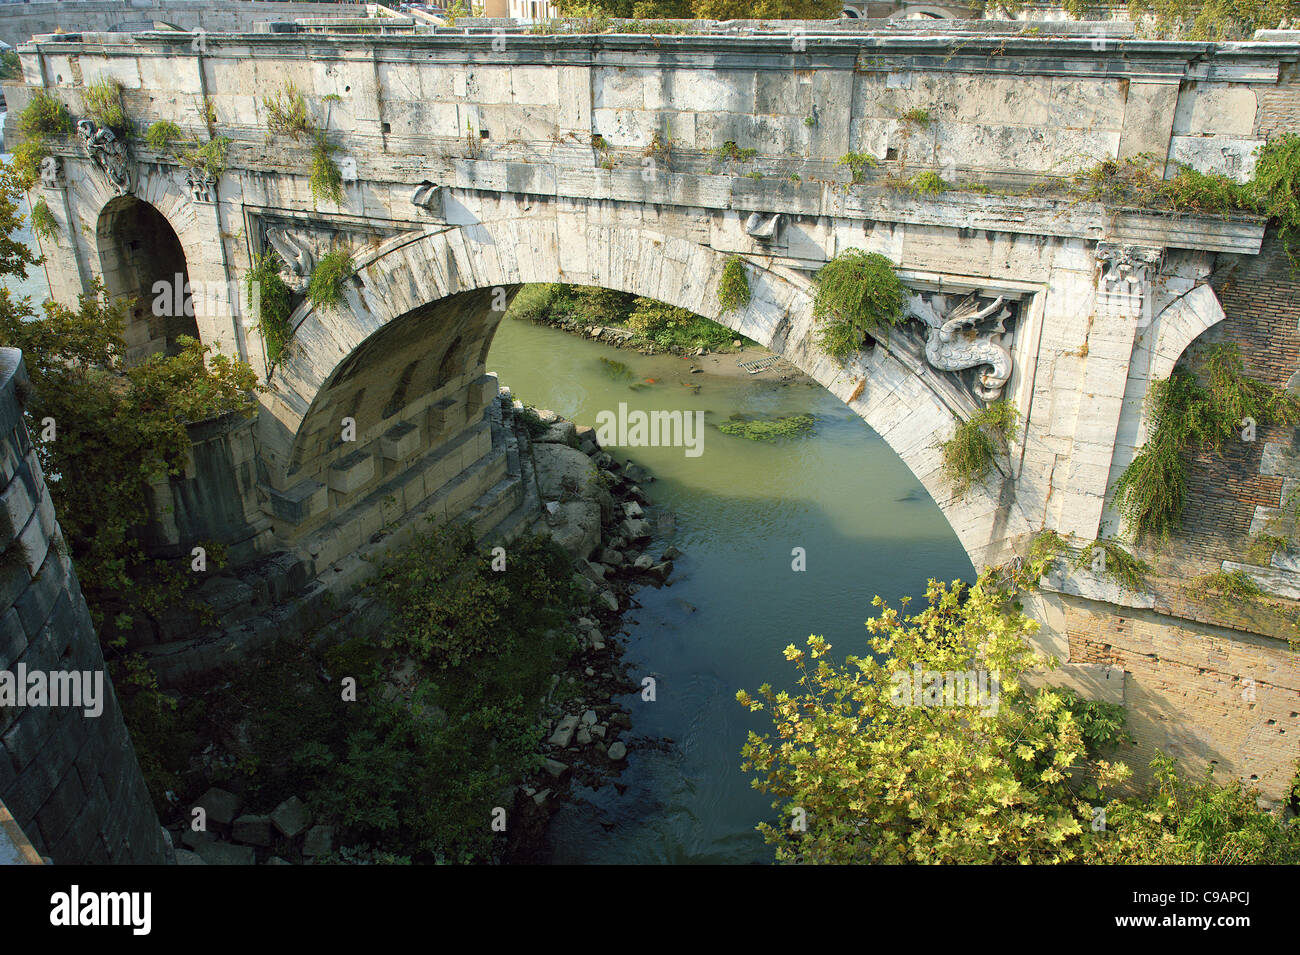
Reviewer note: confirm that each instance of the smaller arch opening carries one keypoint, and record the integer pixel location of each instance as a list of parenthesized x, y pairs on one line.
[(141, 259)]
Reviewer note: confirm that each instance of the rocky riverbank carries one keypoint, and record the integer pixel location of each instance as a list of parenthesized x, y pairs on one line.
[(596, 508)]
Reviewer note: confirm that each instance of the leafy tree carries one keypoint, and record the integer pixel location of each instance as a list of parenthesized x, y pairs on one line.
[(882, 781), (117, 430)]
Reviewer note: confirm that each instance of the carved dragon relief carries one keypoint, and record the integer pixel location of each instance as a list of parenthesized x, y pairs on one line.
[(108, 152), (296, 254), (955, 341)]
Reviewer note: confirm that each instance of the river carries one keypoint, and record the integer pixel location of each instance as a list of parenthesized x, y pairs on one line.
[(738, 510)]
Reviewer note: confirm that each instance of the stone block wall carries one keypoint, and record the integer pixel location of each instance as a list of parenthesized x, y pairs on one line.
[(1204, 695), (19, 23), (70, 780)]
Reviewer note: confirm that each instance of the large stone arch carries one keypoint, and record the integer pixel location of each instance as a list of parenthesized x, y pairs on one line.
[(422, 294)]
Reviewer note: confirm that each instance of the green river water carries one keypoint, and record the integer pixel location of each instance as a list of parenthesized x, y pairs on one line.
[(738, 510)]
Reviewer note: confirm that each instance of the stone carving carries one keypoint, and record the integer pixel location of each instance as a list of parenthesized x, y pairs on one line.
[(296, 254), (200, 185), (52, 172), (428, 196), (108, 152), (1127, 274), (954, 342), (761, 227)]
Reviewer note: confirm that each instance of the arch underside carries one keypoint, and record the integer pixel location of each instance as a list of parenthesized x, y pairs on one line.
[(408, 351)]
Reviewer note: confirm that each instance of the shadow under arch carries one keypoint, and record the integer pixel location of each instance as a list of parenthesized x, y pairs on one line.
[(421, 297), (141, 258)]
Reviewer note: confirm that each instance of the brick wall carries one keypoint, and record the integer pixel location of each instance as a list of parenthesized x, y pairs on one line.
[(1261, 299), (71, 781)]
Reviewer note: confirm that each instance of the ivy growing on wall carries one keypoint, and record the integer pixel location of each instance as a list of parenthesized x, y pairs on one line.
[(733, 287), (43, 222), (858, 293), (103, 102), (274, 303), (44, 120), (326, 178), (325, 289), (1192, 409), (969, 454)]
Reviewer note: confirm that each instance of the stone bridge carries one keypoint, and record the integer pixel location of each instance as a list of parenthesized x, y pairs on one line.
[(473, 162)]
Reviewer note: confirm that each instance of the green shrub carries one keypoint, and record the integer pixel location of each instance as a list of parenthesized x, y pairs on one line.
[(274, 303), (211, 158), (857, 293), (1264, 546), (1181, 822), (45, 118), (103, 102), (927, 183), (532, 303), (286, 112), (325, 288), (733, 287), (1227, 586), (11, 67), (969, 454), (326, 179), (916, 116), (28, 156), (162, 134), (730, 151), (1116, 563), (43, 222), (1275, 189), (858, 164)]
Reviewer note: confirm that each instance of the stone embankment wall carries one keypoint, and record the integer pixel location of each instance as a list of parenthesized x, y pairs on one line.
[(71, 781), (20, 22)]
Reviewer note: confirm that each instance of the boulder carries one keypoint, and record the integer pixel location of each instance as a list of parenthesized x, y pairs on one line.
[(252, 830), (556, 768), (670, 553), (291, 817), (608, 600), (643, 563), (632, 509), (611, 557), (661, 571), (635, 530), (186, 857), (220, 806), (319, 840), (589, 718), (617, 751), (562, 432), (563, 734), (226, 853)]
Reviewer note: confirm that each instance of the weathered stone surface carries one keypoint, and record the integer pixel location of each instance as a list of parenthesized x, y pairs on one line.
[(221, 806), (225, 853), (617, 751), (252, 830), (564, 731), (291, 818), (318, 841)]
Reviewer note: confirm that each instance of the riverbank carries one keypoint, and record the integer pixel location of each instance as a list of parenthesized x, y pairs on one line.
[(705, 346), (455, 731)]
